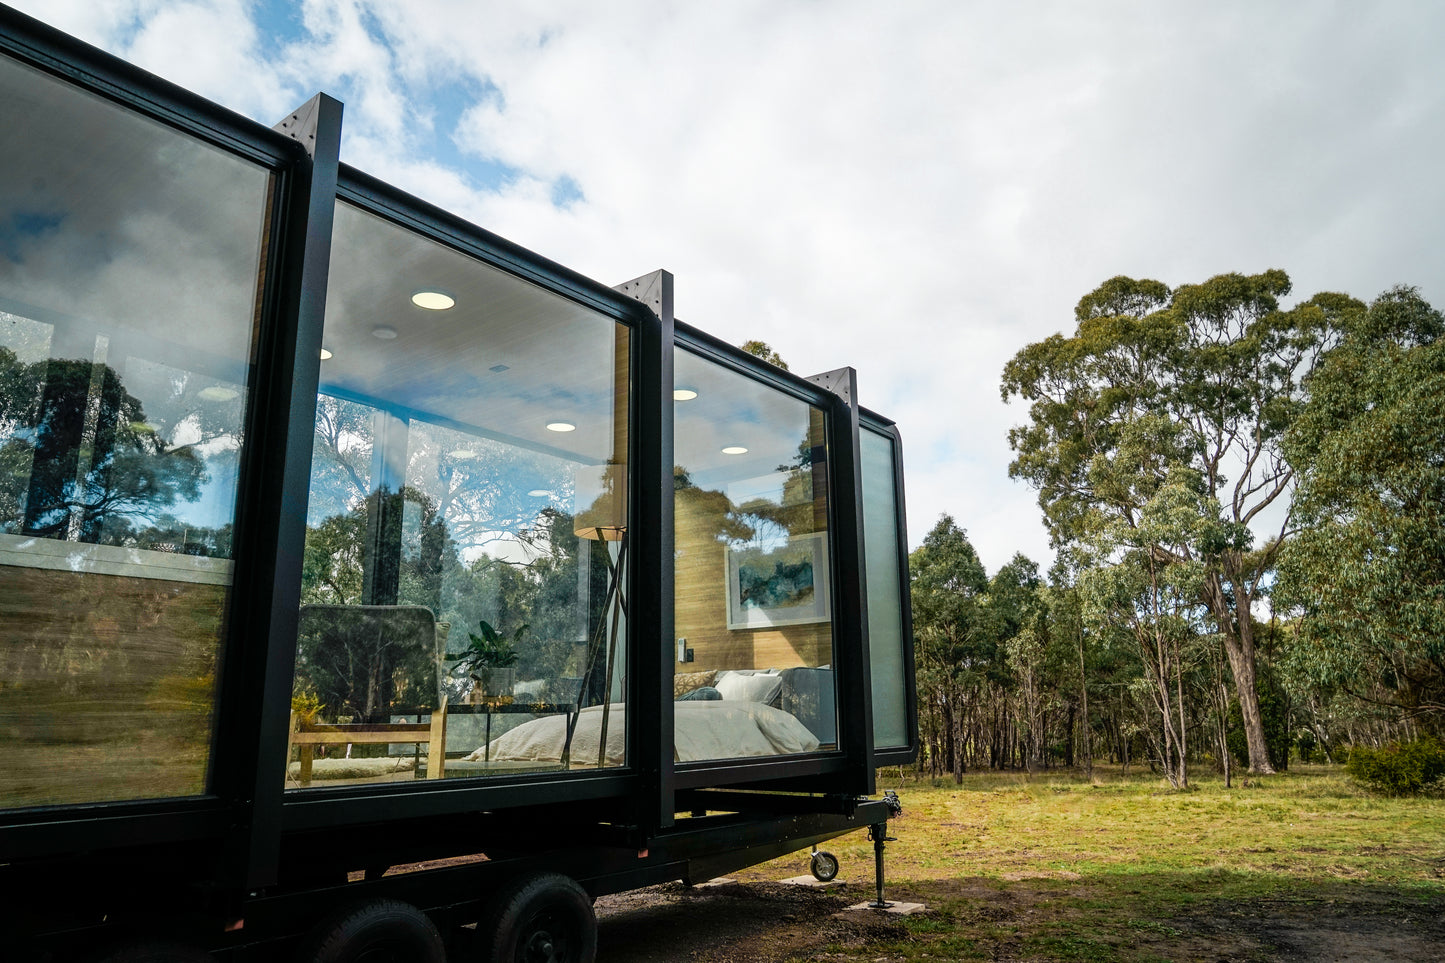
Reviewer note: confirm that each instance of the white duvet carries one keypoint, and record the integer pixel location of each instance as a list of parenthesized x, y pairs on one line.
[(717, 729)]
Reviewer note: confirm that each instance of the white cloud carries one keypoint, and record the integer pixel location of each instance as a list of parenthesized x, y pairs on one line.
[(916, 189)]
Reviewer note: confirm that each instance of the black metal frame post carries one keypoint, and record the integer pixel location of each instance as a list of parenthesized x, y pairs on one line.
[(650, 734), (850, 625), (273, 522)]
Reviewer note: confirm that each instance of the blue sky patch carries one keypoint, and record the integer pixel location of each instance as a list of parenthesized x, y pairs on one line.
[(24, 226), (566, 192), (279, 22)]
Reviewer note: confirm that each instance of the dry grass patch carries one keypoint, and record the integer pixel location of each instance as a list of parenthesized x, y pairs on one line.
[(1122, 868)]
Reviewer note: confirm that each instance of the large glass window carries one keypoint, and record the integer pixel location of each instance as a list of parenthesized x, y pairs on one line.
[(129, 270), (885, 605), (464, 587), (754, 647)]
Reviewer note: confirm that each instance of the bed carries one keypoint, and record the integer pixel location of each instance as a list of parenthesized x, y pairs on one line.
[(720, 729)]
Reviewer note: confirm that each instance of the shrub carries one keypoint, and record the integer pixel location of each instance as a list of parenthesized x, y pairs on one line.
[(1399, 769)]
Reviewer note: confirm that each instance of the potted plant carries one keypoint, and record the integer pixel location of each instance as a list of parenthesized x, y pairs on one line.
[(489, 659)]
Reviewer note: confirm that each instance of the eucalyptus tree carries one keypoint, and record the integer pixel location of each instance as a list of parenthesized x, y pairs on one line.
[(1144, 582), (1066, 624), (957, 648), (1366, 573), (1205, 376), (1015, 597)]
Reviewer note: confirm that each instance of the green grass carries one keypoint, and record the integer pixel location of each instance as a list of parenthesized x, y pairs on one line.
[(1058, 867)]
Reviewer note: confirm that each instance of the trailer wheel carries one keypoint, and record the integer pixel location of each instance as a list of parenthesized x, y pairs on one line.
[(824, 866), (546, 918), (154, 951), (376, 931)]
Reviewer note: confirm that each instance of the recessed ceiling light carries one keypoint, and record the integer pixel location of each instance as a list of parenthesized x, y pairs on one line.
[(385, 332), (540, 493), (561, 426), (683, 394), (734, 450), (325, 355), (217, 393), (463, 453), (433, 300)]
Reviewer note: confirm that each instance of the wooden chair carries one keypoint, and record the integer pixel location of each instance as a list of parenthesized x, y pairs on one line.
[(308, 735)]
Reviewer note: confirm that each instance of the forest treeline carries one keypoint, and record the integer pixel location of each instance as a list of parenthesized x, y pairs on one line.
[(1245, 503)]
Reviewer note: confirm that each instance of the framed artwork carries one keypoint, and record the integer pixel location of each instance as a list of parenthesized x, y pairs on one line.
[(782, 583)]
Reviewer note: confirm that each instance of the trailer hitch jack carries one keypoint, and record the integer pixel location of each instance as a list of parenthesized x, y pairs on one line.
[(878, 832)]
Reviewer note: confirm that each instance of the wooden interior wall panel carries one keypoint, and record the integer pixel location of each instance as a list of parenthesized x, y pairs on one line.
[(109, 685)]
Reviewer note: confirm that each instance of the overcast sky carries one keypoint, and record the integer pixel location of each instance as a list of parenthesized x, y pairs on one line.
[(916, 189)]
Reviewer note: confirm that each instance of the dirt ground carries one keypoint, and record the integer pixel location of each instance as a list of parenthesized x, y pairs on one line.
[(734, 922), (772, 923)]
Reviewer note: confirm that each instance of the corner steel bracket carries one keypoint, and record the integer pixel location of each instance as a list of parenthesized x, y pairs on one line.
[(653, 290), (300, 125), (842, 382)]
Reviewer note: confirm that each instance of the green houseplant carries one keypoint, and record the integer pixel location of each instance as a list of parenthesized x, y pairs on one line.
[(488, 659)]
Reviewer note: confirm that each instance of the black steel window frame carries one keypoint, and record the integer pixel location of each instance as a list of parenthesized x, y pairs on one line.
[(899, 755), (322, 807), (225, 805), (846, 769), (245, 807)]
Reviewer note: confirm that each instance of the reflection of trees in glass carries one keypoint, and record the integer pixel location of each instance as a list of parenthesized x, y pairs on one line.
[(768, 519), (340, 456), (478, 485), (464, 537), (79, 459), (430, 572), (364, 662)]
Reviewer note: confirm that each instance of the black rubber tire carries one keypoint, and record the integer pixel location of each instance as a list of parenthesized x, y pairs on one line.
[(824, 866), (376, 931), (546, 918), (153, 951)]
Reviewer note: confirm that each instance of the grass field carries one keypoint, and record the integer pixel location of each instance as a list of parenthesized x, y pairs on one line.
[(1058, 867)]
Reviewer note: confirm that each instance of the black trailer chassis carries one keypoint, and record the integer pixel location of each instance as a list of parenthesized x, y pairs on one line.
[(142, 905)]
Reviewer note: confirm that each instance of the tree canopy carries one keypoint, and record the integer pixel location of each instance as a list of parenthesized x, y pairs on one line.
[(1366, 574), (1205, 378)]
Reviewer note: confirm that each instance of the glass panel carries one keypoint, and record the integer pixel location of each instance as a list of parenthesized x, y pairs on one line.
[(885, 609), (754, 662), (466, 543), (129, 270)]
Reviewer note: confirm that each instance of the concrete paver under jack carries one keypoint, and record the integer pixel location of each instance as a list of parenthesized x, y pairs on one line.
[(894, 909)]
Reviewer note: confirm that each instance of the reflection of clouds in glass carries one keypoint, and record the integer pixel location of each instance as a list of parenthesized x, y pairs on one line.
[(485, 498), (117, 220)]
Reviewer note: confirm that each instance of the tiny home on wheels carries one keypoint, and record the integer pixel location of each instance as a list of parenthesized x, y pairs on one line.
[(372, 587)]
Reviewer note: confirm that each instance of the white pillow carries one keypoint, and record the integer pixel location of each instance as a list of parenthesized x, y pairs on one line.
[(739, 687)]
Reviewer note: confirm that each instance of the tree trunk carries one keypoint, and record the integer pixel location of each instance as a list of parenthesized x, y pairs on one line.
[(1084, 698), (1236, 627), (1183, 730), (958, 749), (949, 752)]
